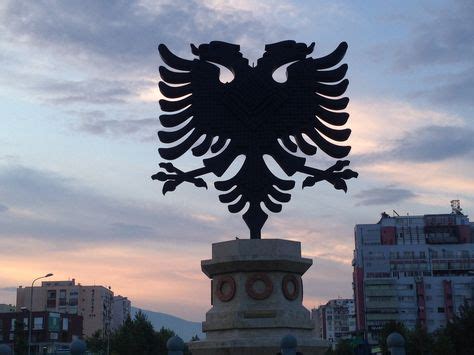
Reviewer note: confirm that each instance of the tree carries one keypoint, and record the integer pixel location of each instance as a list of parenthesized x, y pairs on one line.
[(442, 344), (162, 336), (344, 347), (461, 330), (386, 330), (419, 341), (20, 344), (96, 343), (137, 336)]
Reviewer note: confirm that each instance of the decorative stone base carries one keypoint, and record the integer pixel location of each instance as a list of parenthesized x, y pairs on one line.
[(256, 297), (263, 346)]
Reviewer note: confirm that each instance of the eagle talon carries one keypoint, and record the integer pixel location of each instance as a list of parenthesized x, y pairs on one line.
[(170, 168), (334, 175), (177, 177)]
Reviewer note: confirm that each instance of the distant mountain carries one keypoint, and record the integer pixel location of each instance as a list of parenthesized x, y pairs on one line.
[(184, 328)]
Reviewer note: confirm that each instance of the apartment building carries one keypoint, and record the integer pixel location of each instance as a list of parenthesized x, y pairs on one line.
[(335, 320), (51, 332), (121, 309), (93, 303), (413, 269), (4, 308)]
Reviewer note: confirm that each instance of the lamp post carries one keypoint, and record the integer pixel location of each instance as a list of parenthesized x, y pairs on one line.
[(30, 321)]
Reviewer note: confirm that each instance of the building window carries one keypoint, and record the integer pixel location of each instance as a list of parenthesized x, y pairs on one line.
[(38, 323), (51, 300), (53, 336), (73, 302), (65, 324), (62, 297), (440, 309), (12, 325)]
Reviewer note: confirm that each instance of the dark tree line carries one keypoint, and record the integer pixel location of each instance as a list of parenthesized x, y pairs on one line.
[(135, 336), (457, 338)]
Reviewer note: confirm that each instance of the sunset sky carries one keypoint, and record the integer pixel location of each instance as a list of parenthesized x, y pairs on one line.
[(79, 114)]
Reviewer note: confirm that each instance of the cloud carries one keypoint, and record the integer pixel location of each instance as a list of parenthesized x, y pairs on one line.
[(118, 127), (49, 207), (430, 143), (3, 208), (446, 38), (379, 126), (127, 33), (56, 224), (325, 280), (452, 89), (436, 52), (131, 230), (434, 143), (387, 195), (8, 289), (92, 91)]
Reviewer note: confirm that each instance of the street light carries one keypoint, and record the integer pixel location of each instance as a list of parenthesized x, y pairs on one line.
[(30, 321)]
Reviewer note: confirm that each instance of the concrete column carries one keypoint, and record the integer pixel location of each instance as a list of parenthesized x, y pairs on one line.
[(257, 298)]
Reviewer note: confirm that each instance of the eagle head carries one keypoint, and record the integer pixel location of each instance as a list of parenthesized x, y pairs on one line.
[(284, 52), (222, 53)]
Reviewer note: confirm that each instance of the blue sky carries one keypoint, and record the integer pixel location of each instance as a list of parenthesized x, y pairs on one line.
[(79, 115)]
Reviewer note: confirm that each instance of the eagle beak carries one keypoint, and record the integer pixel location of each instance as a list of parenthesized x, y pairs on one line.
[(194, 49)]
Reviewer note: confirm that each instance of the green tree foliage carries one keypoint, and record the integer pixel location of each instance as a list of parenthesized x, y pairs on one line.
[(442, 344), (136, 336), (343, 347), (387, 329), (162, 337), (419, 341), (461, 331), (457, 338), (96, 343), (20, 344)]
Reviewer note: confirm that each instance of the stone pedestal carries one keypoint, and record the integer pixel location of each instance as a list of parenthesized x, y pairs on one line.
[(256, 297)]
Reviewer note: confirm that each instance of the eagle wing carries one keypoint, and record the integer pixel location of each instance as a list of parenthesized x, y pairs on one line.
[(314, 87), (194, 111)]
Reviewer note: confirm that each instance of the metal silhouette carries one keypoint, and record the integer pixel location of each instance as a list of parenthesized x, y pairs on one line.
[(254, 115)]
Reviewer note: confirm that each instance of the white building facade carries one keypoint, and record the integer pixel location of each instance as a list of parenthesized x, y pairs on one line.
[(121, 308), (93, 303), (412, 269), (335, 320)]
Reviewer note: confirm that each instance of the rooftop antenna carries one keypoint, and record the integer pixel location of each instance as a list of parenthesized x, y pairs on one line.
[(395, 213), (456, 207)]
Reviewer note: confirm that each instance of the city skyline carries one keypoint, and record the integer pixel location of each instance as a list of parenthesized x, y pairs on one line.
[(78, 100)]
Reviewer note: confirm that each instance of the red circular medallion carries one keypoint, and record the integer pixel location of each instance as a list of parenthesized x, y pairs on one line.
[(225, 289), (290, 287), (257, 291)]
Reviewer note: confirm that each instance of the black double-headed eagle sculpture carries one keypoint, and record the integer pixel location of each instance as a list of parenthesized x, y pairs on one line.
[(253, 115)]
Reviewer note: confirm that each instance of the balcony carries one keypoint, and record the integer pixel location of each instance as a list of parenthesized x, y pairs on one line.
[(382, 292), (391, 303), (453, 264)]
